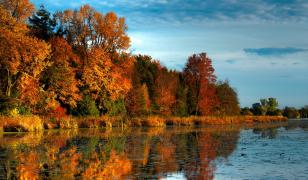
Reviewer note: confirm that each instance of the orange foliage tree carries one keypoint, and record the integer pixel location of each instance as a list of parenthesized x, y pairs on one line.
[(165, 90), (87, 28), (138, 101), (200, 79), (101, 42), (23, 58), (59, 79), (19, 9), (102, 76)]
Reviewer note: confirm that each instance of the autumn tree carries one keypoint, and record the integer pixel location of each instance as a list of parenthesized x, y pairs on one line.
[(200, 79), (102, 77), (59, 79), (101, 43), (88, 28), (165, 90), (138, 101), (228, 102), (160, 83), (23, 57), (20, 10)]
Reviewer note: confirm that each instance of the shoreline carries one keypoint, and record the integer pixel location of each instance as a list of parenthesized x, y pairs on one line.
[(35, 123)]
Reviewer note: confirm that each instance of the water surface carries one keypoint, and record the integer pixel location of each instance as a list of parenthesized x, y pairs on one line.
[(261, 151)]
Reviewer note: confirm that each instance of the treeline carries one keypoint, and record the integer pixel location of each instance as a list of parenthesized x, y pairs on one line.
[(78, 62), (269, 107)]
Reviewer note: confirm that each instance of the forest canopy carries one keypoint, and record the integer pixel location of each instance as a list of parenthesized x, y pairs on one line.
[(78, 62)]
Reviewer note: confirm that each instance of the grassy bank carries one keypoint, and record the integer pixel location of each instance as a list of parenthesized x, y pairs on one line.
[(35, 123)]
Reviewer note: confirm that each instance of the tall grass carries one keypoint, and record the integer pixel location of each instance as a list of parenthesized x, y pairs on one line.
[(221, 120), (21, 123), (102, 121), (35, 123)]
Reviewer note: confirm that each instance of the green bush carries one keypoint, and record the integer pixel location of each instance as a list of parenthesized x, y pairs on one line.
[(23, 110), (87, 107)]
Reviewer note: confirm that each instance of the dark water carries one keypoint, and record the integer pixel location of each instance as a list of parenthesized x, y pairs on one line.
[(264, 151)]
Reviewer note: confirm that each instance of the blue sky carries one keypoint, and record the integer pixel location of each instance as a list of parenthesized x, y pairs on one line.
[(261, 46)]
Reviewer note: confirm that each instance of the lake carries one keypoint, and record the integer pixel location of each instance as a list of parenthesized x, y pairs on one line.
[(259, 151)]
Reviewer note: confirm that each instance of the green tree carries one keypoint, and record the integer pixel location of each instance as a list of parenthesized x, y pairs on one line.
[(41, 24), (139, 99), (270, 105), (181, 98), (147, 72), (228, 101), (114, 107), (266, 107), (291, 113), (304, 112), (87, 107), (258, 109)]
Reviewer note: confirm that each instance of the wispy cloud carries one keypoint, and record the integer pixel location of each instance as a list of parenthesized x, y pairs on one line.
[(231, 61), (173, 12), (274, 51)]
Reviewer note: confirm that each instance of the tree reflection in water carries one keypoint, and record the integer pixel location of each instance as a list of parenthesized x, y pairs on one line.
[(117, 154)]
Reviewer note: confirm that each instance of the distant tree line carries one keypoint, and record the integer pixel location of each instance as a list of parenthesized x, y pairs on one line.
[(78, 62), (270, 107)]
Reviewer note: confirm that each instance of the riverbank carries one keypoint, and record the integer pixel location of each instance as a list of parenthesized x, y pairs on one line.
[(36, 123)]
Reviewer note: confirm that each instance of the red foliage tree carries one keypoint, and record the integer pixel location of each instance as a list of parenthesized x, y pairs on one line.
[(200, 79)]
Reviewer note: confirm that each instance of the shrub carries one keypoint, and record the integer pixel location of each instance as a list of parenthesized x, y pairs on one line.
[(23, 110), (8, 106), (246, 111), (68, 123)]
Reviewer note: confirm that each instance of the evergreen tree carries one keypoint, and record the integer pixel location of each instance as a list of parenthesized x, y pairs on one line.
[(42, 24), (181, 98), (87, 107)]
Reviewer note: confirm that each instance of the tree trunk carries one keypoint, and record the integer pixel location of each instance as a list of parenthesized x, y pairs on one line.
[(198, 86), (9, 84)]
